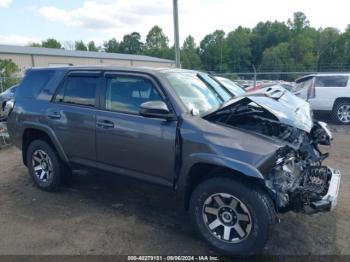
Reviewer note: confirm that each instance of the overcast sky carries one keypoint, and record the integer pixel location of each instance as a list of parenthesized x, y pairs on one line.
[(23, 21)]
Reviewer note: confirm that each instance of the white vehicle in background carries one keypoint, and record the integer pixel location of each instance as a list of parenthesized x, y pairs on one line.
[(327, 92)]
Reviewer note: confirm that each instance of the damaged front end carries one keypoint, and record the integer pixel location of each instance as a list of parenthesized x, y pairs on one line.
[(298, 180), (302, 186)]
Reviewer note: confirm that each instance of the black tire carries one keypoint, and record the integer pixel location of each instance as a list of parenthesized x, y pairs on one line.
[(335, 117), (259, 204), (56, 175)]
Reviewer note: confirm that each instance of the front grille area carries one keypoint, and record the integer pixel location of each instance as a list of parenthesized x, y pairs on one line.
[(316, 180)]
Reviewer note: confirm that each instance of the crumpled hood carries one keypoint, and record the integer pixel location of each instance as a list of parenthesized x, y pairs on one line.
[(285, 106)]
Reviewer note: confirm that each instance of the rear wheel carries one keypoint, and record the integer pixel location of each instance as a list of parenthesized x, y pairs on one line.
[(44, 166), (341, 112), (233, 218)]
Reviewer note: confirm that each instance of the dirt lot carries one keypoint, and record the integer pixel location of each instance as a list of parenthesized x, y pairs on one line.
[(112, 215)]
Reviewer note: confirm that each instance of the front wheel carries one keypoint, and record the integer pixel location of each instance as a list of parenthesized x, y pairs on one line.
[(233, 218)]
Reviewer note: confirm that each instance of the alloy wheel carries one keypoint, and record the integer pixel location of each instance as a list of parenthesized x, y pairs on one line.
[(227, 218), (343, 114), (42, 165)]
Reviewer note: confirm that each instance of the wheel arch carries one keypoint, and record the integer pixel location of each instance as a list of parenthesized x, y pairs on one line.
[(340, 99), (203, 171), (33, 131)]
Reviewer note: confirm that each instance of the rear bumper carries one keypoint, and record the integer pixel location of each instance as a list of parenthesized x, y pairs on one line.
[(329, 201)]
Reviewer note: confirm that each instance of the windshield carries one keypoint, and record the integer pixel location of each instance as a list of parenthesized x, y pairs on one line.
[(198, 91), (231, 86)]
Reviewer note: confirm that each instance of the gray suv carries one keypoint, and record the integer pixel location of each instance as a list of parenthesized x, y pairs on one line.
[(234, 162)]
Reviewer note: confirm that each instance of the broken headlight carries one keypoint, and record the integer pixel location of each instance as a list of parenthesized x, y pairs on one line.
[(285, 159), (287, 164)]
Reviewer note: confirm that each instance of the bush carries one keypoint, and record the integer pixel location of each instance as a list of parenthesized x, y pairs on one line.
[(7, 71)]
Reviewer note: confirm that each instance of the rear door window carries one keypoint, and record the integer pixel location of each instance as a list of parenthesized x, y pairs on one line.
[(34, 82), (332, 81), (79, 91)]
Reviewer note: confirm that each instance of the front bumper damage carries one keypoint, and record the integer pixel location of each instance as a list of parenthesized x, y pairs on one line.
[(299, 182), (314, 190), (329, 201)]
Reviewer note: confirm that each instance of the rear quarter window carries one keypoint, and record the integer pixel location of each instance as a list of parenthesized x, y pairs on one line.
[(332, 81), (34, 82)]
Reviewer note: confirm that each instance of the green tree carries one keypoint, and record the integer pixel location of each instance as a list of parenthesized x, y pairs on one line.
[(302, 48), (299, 23), (213, 51), (7, 70), (35, 45), (51, 43), (131, 43), (80, 46), (156, 39), (111, 46), (239, 51), (342, 49), (189, 54), (189, 43), (277, 58), (326, 48), (157, 44), (266, 35), (92, 47)]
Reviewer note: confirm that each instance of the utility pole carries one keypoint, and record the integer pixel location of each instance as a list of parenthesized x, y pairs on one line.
[(176, 34), (221, 56), (254, 75)]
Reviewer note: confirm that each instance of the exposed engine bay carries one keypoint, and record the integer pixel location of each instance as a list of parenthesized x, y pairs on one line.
[(298, 180)]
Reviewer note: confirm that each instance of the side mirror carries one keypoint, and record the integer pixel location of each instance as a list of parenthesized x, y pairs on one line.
[(155, 109)]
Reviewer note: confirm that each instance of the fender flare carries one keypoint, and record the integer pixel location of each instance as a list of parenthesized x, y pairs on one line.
[(50, 133), (213, 159)]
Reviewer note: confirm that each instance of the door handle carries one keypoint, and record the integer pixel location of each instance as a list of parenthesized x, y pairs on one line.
[(54, 115), (105, 124)]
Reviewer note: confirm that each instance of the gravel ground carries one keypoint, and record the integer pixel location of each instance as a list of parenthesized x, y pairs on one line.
[(105, 214)]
